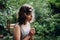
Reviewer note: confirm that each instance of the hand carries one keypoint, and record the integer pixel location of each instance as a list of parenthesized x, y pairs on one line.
[(32, 32)]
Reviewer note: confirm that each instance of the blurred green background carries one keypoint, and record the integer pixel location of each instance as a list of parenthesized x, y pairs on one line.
[(47, 17)]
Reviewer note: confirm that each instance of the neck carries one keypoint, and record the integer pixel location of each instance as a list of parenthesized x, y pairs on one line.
[(26, 22)]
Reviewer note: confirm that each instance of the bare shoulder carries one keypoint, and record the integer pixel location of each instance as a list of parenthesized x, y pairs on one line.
[(16, 32), (17, 26), (16, 29)]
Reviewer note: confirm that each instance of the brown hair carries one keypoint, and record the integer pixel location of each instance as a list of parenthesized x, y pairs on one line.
[(24, 9)]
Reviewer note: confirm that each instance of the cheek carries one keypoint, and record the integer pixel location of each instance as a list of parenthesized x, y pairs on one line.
[(29, 17)]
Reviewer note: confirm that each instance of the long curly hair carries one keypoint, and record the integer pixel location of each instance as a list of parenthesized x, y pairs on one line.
[(24, 9)]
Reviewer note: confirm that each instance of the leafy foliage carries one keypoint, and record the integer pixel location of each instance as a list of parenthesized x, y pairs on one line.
[(47, 16)]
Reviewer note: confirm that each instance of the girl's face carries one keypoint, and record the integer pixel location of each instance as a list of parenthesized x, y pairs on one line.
[(29, 17)]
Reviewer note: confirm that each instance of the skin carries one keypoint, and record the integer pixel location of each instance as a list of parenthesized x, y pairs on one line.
[(17, 33), (28, 17)]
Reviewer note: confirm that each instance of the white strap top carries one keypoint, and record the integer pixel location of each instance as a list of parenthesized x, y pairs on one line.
[(25, 29)]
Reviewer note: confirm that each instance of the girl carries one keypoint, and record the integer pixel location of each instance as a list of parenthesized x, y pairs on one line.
[(23, 30)]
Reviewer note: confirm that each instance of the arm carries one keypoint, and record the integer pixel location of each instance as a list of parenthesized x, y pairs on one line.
[(27, 37), (32, 32), (17, 33)]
